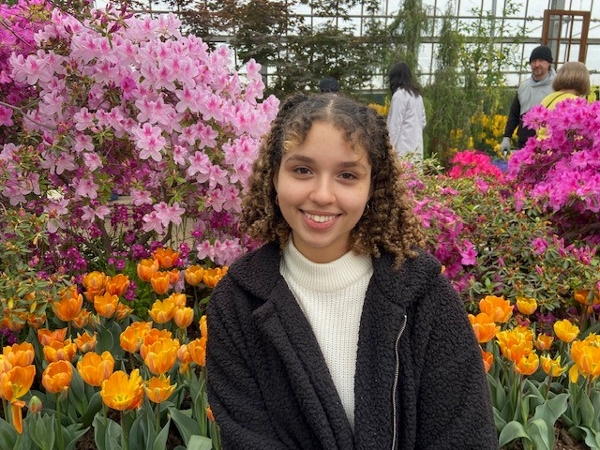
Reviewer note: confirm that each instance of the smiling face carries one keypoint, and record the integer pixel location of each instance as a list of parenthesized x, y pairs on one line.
[(322, 187), (539, 68)]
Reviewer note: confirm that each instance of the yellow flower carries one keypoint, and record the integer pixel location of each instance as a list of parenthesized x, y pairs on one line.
[(526, 305), (152, 336), (86, 342), (95, 368), (552, 367), (203, 327), (146, 268), (565, 330), (69, 305), (161, 355), (106, 304), (19, 354), (586, 355), (183, 317), (184, 357), (158, 389), (179, 300), (57, 376), (131, 339), (483, 326), (162, 310), (123, 392), (499, 309), (515, 343), (193, 275)]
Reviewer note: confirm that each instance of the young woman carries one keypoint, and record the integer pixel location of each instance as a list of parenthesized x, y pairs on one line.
[(340, 332), (406, 118)]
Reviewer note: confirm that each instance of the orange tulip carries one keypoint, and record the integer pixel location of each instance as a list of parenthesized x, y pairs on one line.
[(213, 276), (526, 305), (161, 355), (173, 276), (166, 257), (57, 376), (15, 383), (585, 297), (86, 342), (106, 305), (16, 410), (123, 311), (543, 342), (146, 268), (488, 359), (95, 368), (183, 317), (57, 351), (179, 300), (160, 282), (35, 320), (527, 364), (203, 327), (15, 320), (152, 336), (117, 285), (586, 356), (197, 349), (497, 308), (69, 305), (162, 310), (94, 281), (131, 339), (82, 319), (158, 389), (193, 275), (123, 392), (209, 414), (19, 354), (5, 364), (565, 330), (185, 358), (46, 336), (515, 343), (484, 327)]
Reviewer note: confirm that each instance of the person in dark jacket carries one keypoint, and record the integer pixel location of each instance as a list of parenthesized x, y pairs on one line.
[(530, 93), (340, 331)]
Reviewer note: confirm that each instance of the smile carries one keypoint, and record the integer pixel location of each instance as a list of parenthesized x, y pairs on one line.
[(320, 219)]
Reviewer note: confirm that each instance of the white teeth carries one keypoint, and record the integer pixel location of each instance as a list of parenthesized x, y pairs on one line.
[(320, 219)]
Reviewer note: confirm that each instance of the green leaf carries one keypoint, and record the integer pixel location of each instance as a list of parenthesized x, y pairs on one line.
[(72, 434), (160, 442), (199, 443), (94, 405), (592, 439), (8, 434), (541, 436), (77, 395), (107, 433), (185, 424), (513, 430), (41, 431)]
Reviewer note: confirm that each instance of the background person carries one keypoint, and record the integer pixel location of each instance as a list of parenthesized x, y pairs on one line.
[(530, 93), (340, 332), (406, 117), (572, 81)]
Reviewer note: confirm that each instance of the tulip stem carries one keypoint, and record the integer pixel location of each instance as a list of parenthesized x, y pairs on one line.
[(59, 433), (124, 432), (157, 424)]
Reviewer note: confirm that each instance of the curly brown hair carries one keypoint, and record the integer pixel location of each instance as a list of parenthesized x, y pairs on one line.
[(388, 222)]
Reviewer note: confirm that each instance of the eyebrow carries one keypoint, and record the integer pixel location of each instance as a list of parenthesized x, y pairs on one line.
[(345, 164)]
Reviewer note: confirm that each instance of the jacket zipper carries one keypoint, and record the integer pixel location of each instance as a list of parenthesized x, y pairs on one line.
[(395, 388)]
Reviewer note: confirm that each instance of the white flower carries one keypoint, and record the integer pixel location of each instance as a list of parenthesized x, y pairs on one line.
[(54, 195)]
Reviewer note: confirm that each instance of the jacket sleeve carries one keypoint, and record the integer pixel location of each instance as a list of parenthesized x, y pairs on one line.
[(233, 393), (514, 117), (454, 402)]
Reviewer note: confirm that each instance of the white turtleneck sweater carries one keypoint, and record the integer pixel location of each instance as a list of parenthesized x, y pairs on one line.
[(331, 296)]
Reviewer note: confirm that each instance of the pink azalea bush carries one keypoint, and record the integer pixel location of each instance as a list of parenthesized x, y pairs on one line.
[(118, 104), (470, 163), (562, 171)]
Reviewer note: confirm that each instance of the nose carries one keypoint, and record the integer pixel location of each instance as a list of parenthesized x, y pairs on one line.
[(323, 192)]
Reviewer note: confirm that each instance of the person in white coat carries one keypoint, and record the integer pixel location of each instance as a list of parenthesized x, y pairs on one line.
[(406, 117)]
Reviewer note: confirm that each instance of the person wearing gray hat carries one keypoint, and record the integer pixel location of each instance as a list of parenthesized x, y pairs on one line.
[(530, 93)]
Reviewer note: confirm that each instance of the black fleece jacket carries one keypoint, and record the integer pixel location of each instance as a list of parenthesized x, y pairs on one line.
[(420, 382)]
